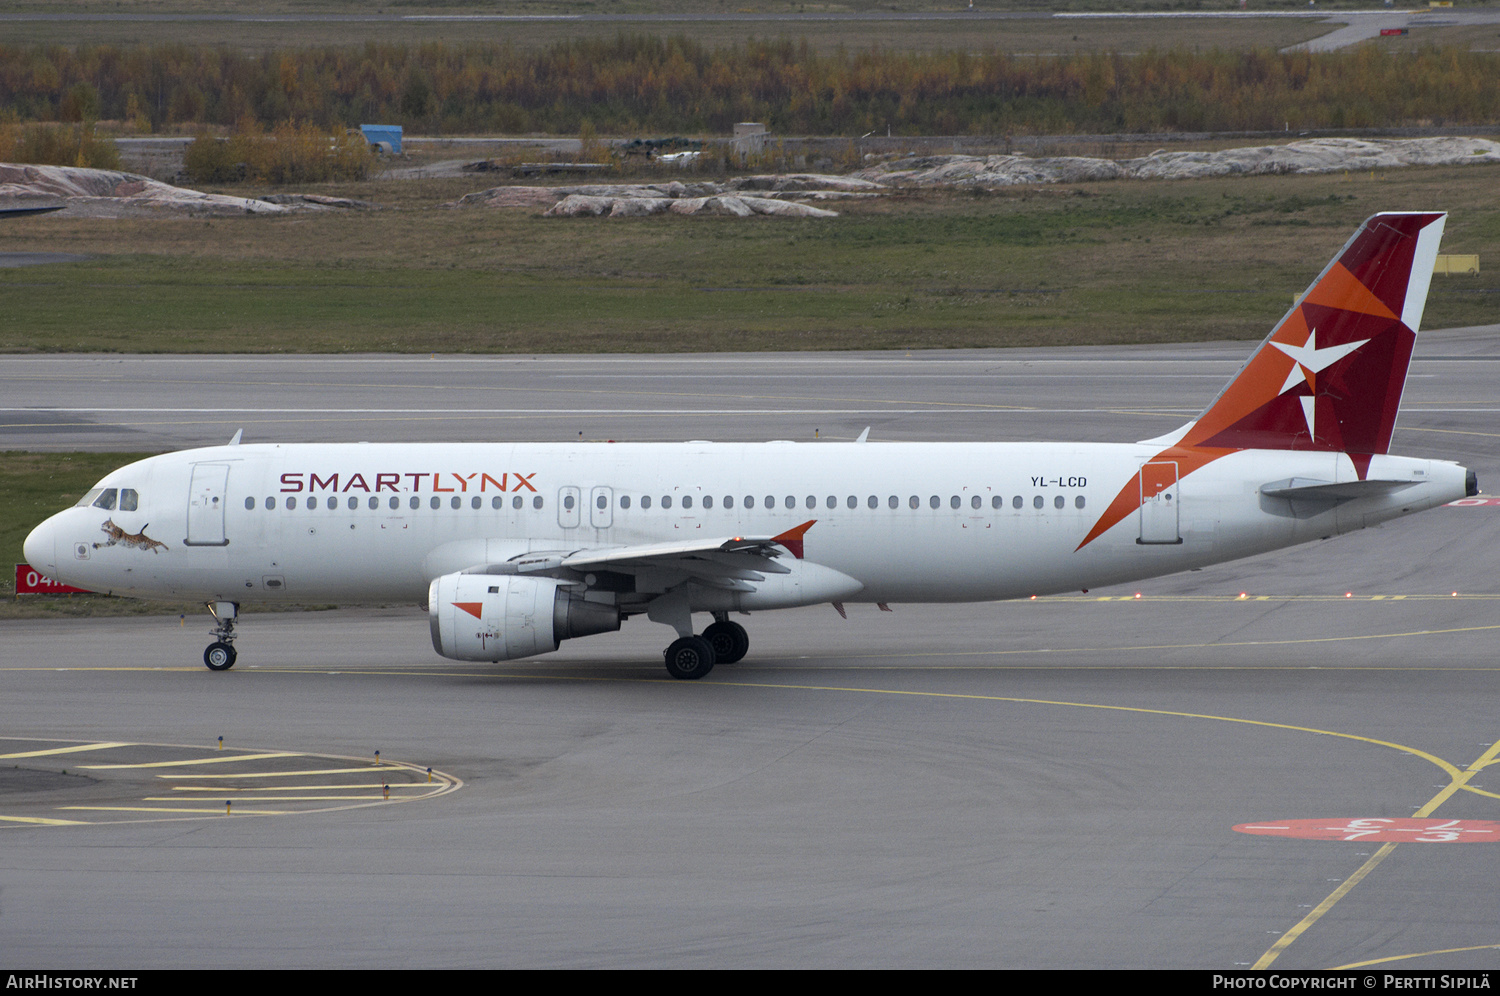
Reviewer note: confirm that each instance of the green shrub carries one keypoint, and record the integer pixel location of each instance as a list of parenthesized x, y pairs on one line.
[(290, 154), (57, 145)]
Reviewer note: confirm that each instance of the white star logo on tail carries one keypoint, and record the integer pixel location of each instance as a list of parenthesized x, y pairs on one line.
[(1310, 360)]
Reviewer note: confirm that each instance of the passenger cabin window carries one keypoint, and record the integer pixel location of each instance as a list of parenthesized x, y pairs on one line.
[(687, 501), (415, 503), (624, 501), (1017, 502), (271, 504), (666, 501), (536, 502), (729, 501), (997, 502), (1078, 502), (645, 501), (749, 501), (515, 502), (770, 501), (975, 502), (708, 501), (1037, 502), (291, 502), (1058, 502)]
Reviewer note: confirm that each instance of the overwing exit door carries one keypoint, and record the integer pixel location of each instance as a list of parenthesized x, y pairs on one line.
[(601, 508)]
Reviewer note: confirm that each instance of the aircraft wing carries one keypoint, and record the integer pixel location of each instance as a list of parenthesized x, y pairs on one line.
[(730, 562)]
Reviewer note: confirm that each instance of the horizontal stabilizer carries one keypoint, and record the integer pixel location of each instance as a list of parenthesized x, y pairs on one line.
[(1305, 489)]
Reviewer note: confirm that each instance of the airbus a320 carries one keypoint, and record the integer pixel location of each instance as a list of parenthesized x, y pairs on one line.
[(519, 546)]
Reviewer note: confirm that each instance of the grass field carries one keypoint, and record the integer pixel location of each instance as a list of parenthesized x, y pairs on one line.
[(1087, 263), (1033, 35)]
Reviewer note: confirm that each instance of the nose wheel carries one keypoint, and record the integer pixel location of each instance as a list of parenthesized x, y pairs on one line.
[(220, 654)]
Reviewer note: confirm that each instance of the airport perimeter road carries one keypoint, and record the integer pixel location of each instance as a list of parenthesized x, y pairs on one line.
[(1049, 783)]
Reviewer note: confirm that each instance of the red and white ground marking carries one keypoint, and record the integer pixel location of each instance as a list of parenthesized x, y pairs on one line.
[(1471, 502), (1428, 831)]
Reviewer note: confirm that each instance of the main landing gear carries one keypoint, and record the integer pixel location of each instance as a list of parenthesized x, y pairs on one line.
[(220, 654), (723, 642)]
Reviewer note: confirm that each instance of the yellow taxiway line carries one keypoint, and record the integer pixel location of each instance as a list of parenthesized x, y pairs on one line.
[(188, 764), (62, 750)]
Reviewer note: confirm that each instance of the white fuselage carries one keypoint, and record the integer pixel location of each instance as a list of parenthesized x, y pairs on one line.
[(910, 522)]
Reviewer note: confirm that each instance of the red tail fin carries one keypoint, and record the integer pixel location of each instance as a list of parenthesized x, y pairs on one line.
[(1330, 376)]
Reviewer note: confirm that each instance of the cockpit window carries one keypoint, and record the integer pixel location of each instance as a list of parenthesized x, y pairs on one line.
[(88, 499), (128, 499), (107, 499)]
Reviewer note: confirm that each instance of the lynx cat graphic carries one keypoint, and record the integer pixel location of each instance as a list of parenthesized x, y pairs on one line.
[(138, 540)]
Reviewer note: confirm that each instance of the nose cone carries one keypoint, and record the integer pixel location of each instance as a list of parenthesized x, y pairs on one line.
[(41, 548)]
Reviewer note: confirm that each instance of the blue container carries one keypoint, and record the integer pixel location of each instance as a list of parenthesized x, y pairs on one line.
[(386, 138)]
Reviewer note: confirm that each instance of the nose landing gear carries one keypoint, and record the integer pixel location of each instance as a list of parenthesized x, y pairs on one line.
[(220, 654)]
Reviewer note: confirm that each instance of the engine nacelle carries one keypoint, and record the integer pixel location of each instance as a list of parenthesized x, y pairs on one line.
[(487, 617)]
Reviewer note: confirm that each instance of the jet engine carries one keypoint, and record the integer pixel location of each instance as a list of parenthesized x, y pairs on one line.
[(486, 617)]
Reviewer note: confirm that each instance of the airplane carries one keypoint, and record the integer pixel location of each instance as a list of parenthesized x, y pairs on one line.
[(519, 546)]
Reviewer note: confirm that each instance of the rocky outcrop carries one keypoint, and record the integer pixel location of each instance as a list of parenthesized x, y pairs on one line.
[(1319, 155), (586, 205), (740, 196), (102, 193)]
